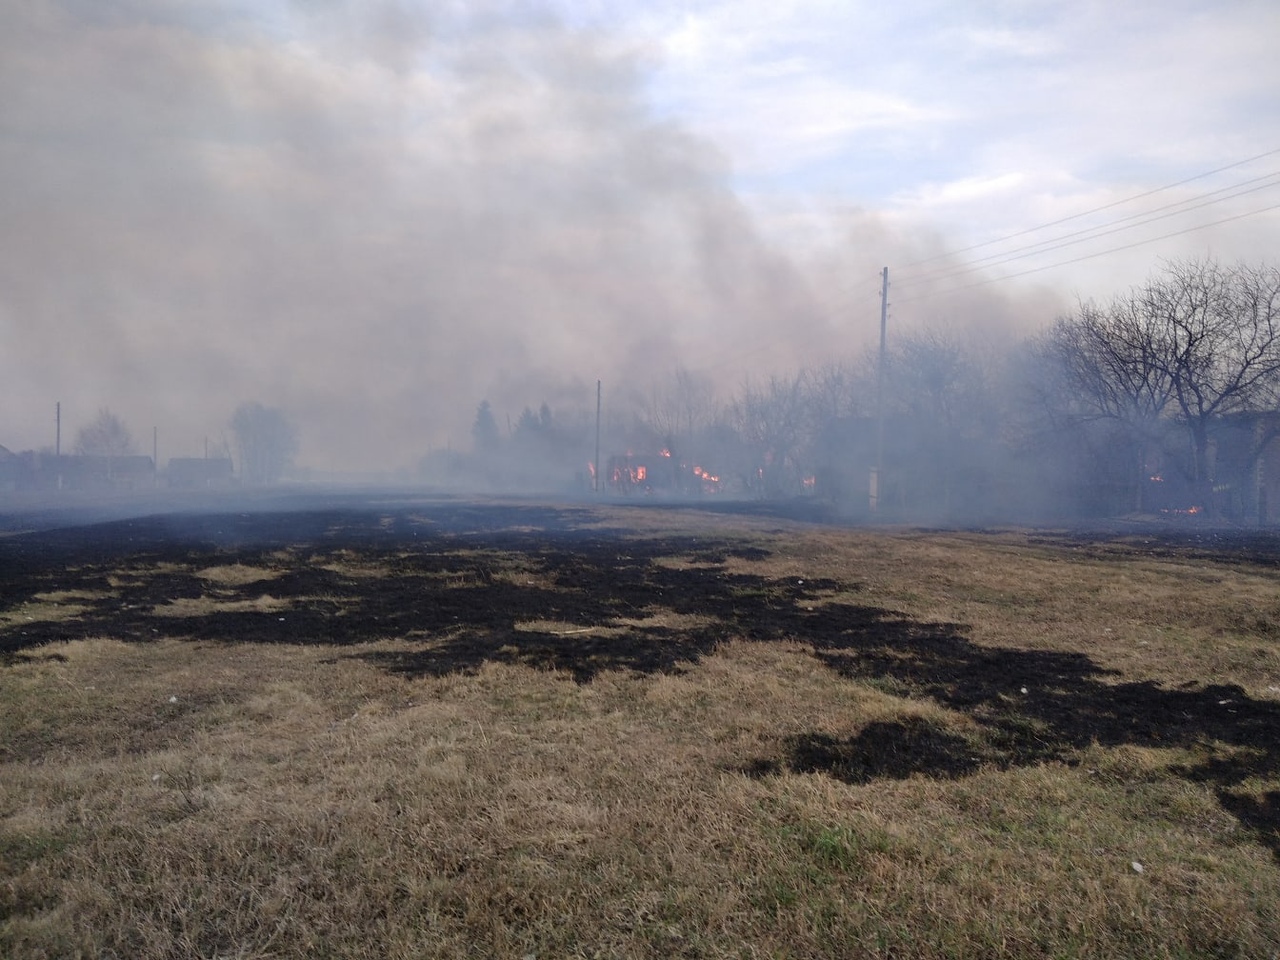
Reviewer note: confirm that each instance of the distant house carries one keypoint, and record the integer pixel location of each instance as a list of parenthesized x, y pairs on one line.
[(112, 473), (41, 470), (1089, 472), (659, 472), (1245, 452), (1243, 483), (198, 473)]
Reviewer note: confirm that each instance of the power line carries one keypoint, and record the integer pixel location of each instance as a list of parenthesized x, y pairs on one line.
[(1102, 230), (768, 342), (1254, 185), (1105, 206), (1090, 256)]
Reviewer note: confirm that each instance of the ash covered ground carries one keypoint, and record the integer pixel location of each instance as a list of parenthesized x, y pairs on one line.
[(457, 584)]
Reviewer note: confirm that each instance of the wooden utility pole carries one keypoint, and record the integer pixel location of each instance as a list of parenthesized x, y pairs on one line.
[(877, 474), (57, 441), (595, 475)]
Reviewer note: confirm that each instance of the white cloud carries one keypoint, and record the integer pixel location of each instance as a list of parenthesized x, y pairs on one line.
[(1031, 44)]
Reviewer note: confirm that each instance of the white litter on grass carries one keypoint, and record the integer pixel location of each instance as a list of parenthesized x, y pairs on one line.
[(1137, 867), (155, 778), (1024, 689), (173, 699)]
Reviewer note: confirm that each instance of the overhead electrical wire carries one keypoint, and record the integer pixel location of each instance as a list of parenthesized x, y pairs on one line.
[(957, 271), (1105, 206), (1175, 209), (1091, 256), (1131, 221)]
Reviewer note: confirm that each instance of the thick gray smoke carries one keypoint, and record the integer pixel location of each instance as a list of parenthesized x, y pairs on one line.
[(371, 217)]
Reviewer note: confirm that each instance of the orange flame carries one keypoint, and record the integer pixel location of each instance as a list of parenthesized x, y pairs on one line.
[(625, 474)]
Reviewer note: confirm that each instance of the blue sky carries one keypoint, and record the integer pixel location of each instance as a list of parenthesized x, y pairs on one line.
[(375, 214), (983, 119)]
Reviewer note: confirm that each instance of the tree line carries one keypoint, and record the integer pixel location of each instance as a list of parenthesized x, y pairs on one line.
[(1166, 397), (265, 439), (1169, 364)]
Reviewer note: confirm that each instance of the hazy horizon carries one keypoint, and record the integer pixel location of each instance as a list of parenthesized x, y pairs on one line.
[(373, 216)]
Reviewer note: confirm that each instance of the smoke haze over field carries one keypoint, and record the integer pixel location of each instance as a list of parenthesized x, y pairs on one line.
[(373, 215)]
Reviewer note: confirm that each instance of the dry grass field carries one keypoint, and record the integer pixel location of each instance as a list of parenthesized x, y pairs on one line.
[(503, 730)]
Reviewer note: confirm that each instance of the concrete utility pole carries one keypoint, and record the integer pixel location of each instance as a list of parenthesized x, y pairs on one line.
[(595, 474), (878, 472)]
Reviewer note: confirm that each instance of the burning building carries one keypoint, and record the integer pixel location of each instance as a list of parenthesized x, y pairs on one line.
[(659, 473)]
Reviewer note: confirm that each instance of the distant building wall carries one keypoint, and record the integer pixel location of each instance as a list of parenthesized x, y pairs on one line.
[(1246, 467), (194, 473), (35, 470)]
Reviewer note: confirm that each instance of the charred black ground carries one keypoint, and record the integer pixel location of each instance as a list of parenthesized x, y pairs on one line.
[(464, 581)]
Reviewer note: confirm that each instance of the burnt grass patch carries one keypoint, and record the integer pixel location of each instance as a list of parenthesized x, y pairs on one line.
[(1166, 540), (459, 585)]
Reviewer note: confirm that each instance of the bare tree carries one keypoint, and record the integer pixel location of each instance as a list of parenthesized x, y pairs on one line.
[(930, 376), (679, 406), (1115, 367), (1198, 342), (834, 391), (106, 436), (945, 422), (1220, 330), (773, 422), (267, 442)]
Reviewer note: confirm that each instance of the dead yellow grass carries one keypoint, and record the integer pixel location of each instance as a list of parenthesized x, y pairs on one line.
[(180, 799), (202, 606), (237, 574), (51, 605)]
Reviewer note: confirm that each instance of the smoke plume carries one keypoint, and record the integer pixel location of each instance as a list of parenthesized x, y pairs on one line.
[(371, 216)]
